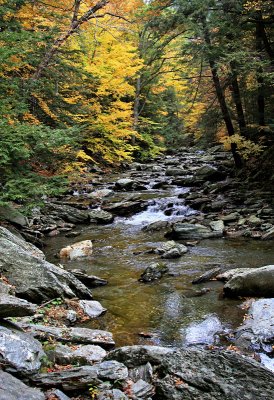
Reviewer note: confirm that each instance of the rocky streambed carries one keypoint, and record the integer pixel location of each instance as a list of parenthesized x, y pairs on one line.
[(174, 258)]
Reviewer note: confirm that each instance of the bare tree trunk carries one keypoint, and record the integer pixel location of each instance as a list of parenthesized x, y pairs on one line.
[(237, 98), (220, 96), (136, 108), (76, 22), (260, 79)]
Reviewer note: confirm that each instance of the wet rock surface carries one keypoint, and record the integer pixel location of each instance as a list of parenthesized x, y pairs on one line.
[(12, 388), (11, 306)]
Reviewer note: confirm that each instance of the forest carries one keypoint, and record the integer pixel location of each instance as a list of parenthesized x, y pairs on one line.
[(86, 83)]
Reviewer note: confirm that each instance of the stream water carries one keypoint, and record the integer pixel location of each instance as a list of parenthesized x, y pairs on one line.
[(163, 308)]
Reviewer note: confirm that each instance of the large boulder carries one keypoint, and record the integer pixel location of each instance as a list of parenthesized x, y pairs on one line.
[(203, 332), (19, 351), (209, 173), (258, 282), (92, 308), (11, 306), (68, 213), (101, 217), (80, 355), (13, 215), (171, 249), (126, 208), (13, 389), (187, 231), (77, 250), (153, 272), (34, 278)]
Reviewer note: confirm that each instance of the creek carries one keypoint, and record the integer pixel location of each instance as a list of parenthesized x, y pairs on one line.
[(166, 307)]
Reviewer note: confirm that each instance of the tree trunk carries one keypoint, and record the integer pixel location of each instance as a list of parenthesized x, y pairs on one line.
[(260, 79), (136, 108), (220, 96), (237, 98)]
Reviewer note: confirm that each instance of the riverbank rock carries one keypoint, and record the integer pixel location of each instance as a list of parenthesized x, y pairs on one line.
[(11, 306), (81, 355), (13, 215), (171, 249), (257, 282), (74, 335), (187, 231), (90, 281), (68, 213), (199, 374), (153, 272), (35, 279), (101, 217), (19, 351), (257, 331), (13, 389), (77, 250), (126, 208)]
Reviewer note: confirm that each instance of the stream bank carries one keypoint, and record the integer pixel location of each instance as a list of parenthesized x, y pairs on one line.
[(193, 198)]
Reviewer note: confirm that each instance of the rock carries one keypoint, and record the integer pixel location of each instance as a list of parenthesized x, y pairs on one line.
[(92, 308), (226, 275), (77, 250), (11, 214), (128, 184), (171, 171), (19, 241), (204, 332), (74, 335), (81, 378), (187, 231), (142, 389), (5, 288), (68, 213), (56, 394), (11, 306), (232, 217), (114, 394), (126, 208), (101, 193), (207, 276), (13, 389), (71, 316), (268, 235), (82, 355), (257, 331), (217, 225), (90, 281), (20, 352), (144, 372), (258, 282), (156, 226), (100, 217), (171, 249), (253, 220), (34, 278), (209, 173), (153, 272)]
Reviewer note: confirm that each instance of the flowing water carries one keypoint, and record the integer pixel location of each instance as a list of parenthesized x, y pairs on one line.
[(162, 308)]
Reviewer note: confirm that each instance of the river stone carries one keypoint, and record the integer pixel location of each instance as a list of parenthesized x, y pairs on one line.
[(90, 281), (19, 351), (77, 250), (171, 249), (153, 272), (126, 208), (101, 217), (232, 217), (100, 193), (19, 241), (74, 335), (269, 234), (257, 282), (187, 231), (92, 308), (111, 370), (206, 375), (226, 275), (258, 327), (11, 214), (254, 220), (217, 225), (175, 171), (82, 355), (11, 306), (5, 288), (13, 389), (142, 389), (56, 394), (35, 279), (68, 213), (114, 394), (209, 173), (124, 184), (202, 332)]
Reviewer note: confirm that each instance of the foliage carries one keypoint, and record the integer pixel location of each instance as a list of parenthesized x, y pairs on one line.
[(246, 147)]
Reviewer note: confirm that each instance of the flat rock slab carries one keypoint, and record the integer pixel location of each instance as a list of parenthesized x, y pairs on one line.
[(82, 355), (81, 377), (13, 389), (11, 306), (90, 281), (20, 352), (100, 217), (187, 231), (74, 335), (203, 332), (77, 250), (259, 282)]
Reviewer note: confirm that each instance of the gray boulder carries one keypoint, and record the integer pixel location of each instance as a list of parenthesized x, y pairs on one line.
[(11, 214), (11, 306), (13, 389), (257, 282), (113, 394), (90, 281), (209, 173), (100, 217), (68, 213), (34, 278), (153, 272), (171, 249), (82, 355), (203, 332), (187, 231), (126, 208), (19, 351), (92, 308)]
